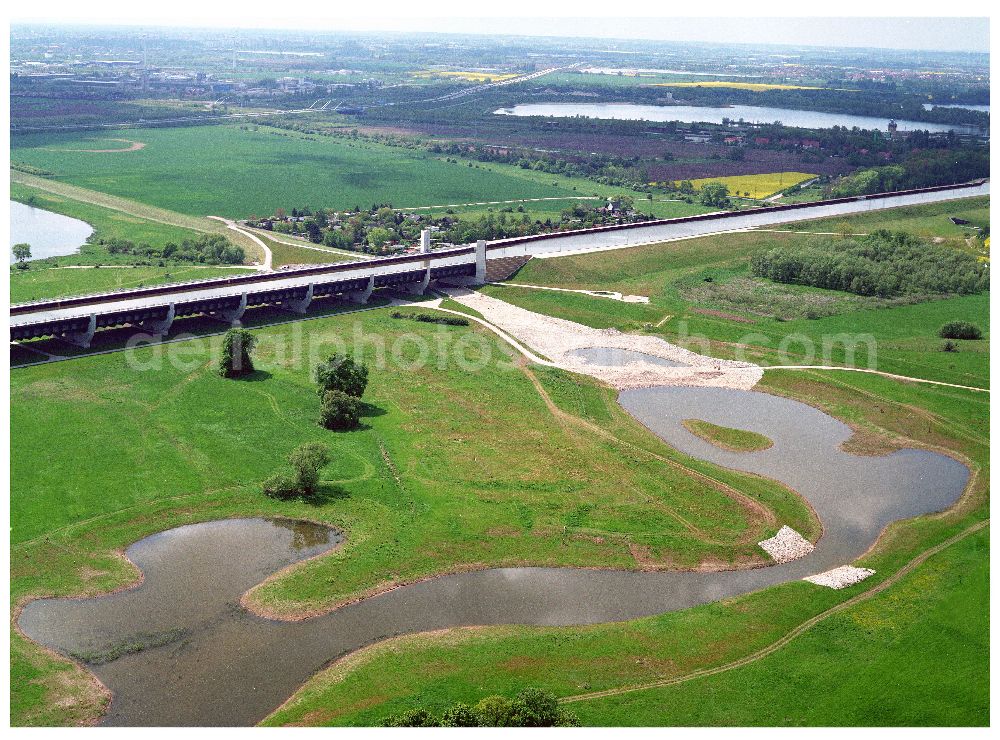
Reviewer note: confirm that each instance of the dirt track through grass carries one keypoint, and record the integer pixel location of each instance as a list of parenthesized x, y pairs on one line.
[(787, 638)]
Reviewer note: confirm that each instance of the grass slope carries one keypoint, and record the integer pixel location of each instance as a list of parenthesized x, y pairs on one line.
[(115, 447)]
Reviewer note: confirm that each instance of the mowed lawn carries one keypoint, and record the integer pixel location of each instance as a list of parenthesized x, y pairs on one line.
[(451, 468), (238, 171)]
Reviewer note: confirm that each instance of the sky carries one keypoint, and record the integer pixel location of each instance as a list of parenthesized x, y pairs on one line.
[(564, 19)]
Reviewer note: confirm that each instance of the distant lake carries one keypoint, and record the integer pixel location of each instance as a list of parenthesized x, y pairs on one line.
[(705, 114), (932, 106), (49, 234)]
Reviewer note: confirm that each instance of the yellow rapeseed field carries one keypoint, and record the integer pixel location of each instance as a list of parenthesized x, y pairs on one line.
[(759, 186), (470, 76), (756, 86)]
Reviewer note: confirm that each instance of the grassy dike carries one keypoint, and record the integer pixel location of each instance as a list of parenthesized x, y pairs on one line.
[(451, 469), (877, 662)]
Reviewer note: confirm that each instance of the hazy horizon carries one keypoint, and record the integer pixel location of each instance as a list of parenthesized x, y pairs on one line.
[(897, 34)]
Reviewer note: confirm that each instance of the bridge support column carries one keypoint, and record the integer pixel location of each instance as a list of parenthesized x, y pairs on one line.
[(83, 338), (425, 241), (299, 305), (159, 327), (362, 296), (480, 261), (419, 287), (232, 316)]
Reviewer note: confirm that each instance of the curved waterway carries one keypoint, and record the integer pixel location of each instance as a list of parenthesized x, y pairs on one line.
[(207, 661)]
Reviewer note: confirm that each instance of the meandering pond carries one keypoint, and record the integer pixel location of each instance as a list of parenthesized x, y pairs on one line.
[(49, 234), (706, 114), (204, 660)]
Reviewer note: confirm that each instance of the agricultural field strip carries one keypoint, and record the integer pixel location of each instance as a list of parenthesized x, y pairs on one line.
[(114, 203), (801, 629)]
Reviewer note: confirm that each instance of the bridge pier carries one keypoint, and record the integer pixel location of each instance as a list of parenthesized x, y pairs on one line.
[(480, 262), (159, 327), (231, 316), (82, 338), (299, 305), (420, 286), (362, 296)]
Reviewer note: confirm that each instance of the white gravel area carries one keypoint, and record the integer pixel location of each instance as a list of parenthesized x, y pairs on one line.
[(556, 338), (842, 577), (787, 545)]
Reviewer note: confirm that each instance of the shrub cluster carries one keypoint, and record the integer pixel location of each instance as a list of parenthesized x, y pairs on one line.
[(530, 708), (341, 382), (881, 264), (428, 318), (960, 330), (208, 249)]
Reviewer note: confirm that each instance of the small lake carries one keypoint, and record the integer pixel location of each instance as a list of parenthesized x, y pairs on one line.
[(932, 106), (49, 234), (705, 114)]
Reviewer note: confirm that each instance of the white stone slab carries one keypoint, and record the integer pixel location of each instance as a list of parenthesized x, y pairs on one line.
[(787, 545), (842, 577)]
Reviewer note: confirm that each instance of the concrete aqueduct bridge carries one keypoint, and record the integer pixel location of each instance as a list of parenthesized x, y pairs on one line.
[(153, 309)]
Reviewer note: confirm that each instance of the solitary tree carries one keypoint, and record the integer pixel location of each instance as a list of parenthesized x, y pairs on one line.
[(21, 252), (237, 347), (307, 460), (342, 373)]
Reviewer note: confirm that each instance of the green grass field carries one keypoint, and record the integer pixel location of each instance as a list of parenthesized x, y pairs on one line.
[(875, 663), (237, 171), (110, 453), (38, 283), (107, 223), (925, 220)]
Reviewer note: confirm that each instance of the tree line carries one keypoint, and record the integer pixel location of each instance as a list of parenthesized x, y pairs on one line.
[(883, 264)]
